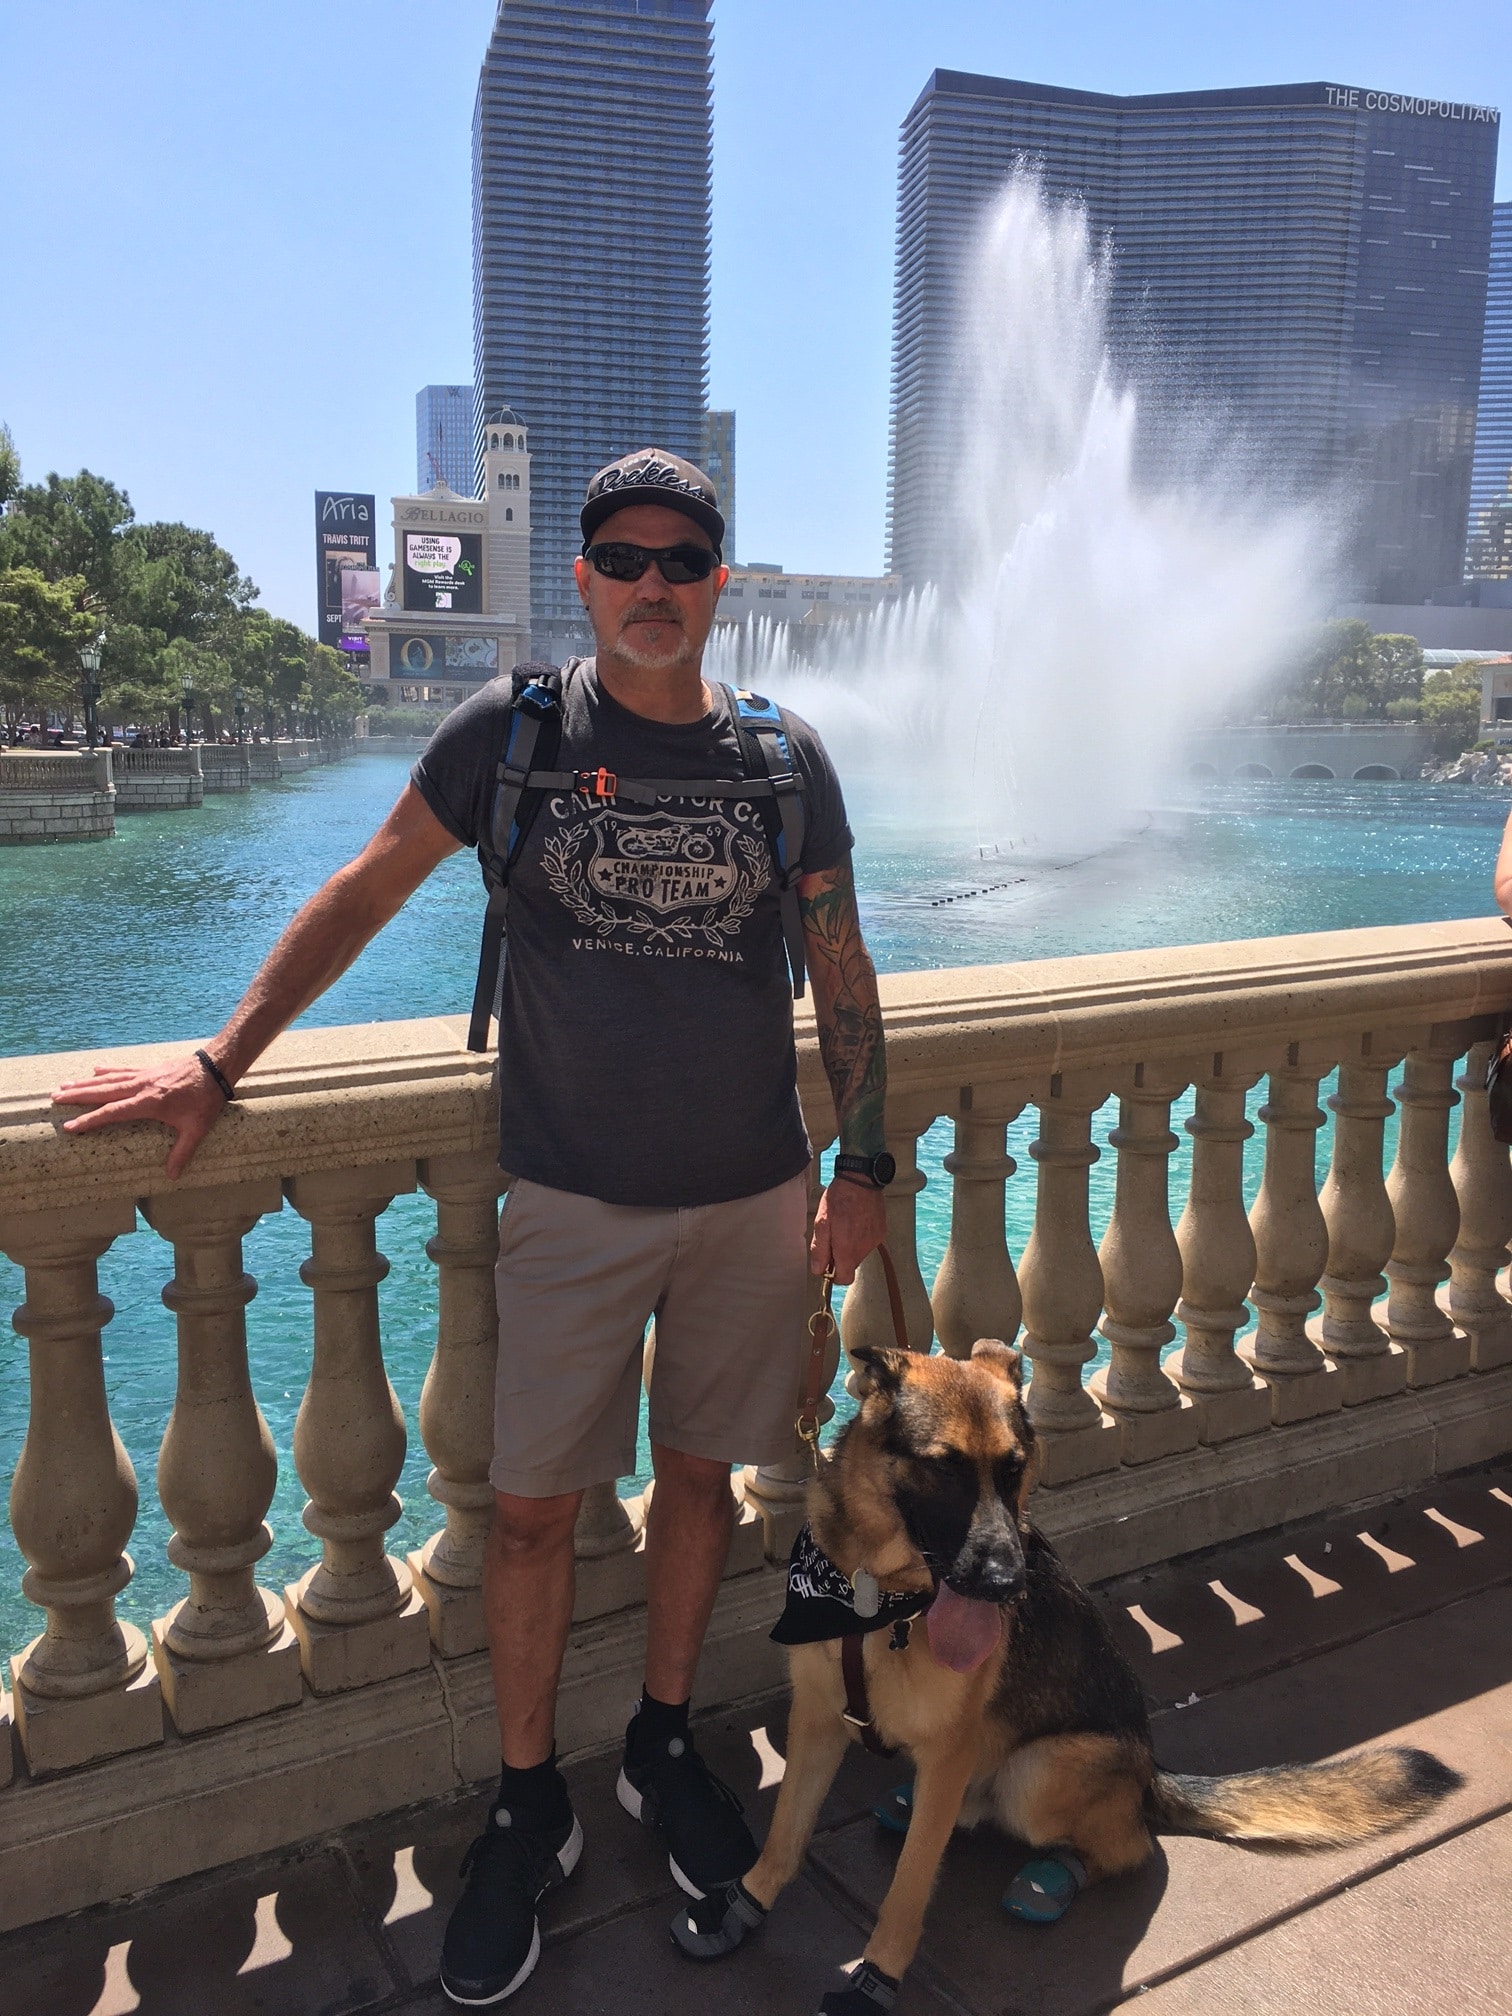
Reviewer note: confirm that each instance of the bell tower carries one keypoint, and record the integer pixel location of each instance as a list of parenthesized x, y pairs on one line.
[(506, 487)]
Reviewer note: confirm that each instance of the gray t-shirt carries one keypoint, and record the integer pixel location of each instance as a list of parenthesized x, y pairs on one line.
[(646, 1030)]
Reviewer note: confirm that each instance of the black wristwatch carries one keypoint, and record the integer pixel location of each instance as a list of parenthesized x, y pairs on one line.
[(878, 1170)]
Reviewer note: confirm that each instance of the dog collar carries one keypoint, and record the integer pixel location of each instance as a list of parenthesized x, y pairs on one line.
[(821, 1601)]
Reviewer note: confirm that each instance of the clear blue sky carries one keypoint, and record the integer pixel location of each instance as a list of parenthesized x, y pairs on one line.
[(235, 234)]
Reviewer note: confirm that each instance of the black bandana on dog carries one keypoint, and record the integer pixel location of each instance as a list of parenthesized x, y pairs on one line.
[(821, 1602)]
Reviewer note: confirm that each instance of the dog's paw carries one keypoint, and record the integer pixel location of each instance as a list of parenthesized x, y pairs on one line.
[(868, 1991), (1043, 1890), (716, 1924)]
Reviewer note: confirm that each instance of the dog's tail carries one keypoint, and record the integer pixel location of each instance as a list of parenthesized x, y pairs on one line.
[(1305, 1805)]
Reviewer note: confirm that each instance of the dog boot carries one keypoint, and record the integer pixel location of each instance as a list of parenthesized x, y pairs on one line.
[(1042, 1890), (894, 1809), (869, 1990), (716, 1924)]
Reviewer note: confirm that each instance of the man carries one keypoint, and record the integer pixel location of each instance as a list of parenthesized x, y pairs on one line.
[(649, 1117)]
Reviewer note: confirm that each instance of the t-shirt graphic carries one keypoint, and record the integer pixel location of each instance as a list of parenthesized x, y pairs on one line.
[(646, 1015), (658, 883)]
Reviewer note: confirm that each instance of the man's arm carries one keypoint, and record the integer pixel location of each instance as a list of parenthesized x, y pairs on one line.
[(852, 1217), (1502, 885), (312, 953)]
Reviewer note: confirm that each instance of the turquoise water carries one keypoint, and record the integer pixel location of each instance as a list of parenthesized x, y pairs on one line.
[(152, 937)]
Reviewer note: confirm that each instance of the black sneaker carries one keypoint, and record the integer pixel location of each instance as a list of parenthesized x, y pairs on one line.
[(493, 1939), (671, 1788)]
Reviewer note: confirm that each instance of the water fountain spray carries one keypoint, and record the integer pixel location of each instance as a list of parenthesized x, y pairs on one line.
[(1038, 698)]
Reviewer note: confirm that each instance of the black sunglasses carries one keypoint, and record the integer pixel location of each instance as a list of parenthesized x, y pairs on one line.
[(616, 560)]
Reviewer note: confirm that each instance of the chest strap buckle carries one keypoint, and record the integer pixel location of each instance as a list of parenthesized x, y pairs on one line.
[(600, 783)]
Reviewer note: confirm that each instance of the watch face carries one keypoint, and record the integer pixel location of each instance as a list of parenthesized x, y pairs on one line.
[(884, 1167)]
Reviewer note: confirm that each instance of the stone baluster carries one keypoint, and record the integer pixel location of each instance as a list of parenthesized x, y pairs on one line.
[(976, 1292), (777, 1491), (1361, 1229), (226, 1651), (1291, 1245), (1141, 1268), (357, 1614), (1427, 1216), (85, 1688), (1482, 1175), (1063, 1288), (457, 1399), (1217, 1251), (867, 1316)]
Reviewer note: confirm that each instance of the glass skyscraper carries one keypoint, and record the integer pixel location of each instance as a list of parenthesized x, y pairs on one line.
[(1309, 260), (1491, 476), (445, 439), (591, 144)]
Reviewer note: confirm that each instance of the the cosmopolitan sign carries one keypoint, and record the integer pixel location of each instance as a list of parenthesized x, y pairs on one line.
[(1344, 98)]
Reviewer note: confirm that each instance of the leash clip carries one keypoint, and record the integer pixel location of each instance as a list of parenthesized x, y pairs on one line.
[(821, 1327)]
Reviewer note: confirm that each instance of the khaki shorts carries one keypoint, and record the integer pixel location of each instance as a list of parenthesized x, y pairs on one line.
[(578, 1280)]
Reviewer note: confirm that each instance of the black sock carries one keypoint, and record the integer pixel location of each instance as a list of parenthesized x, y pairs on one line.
[(534, 1797), (657, 1722)]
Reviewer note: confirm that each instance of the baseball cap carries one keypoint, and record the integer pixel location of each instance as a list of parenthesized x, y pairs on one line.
[(653, 476)]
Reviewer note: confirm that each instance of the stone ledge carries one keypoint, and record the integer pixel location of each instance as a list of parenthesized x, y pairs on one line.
[(193, 1803), (1130, 1518)]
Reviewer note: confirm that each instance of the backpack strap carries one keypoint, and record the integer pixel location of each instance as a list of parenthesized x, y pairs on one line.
[(534, 720), (765, 747)]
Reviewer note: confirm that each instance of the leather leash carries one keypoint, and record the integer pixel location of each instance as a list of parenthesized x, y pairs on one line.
[(821, 1328)]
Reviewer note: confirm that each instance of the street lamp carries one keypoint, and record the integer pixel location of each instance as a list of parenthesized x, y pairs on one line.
[(188, 686), (241, 712), (89, 657)]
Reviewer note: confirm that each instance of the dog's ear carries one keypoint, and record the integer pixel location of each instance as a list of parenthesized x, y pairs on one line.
[(1001, 1360), (877, 1370)]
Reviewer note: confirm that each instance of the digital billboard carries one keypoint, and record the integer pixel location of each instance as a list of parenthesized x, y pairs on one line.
[(444, 571), (417, 655), (345, 542)]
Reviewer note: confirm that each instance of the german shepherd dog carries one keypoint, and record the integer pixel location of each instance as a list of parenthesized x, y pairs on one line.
[(1013, 1701)]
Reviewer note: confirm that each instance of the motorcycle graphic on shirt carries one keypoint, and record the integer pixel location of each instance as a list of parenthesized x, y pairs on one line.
[(670, 883)]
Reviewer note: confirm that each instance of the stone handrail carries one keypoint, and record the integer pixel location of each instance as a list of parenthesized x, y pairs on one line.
[(157, 762), (1382, 1349), (38, 770)]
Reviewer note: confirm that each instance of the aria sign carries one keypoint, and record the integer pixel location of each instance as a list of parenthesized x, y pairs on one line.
[(345, 542)]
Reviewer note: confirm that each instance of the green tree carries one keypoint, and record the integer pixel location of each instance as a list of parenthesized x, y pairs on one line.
[(179, 606), (69, 525), (270, 660), (10, 468), (1452, 708), (335, 694), (1398, 673), (43, 626)]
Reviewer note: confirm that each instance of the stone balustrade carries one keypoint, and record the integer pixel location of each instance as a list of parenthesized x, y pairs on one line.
[(55, 795), (159, 780), (246, 1716), (227, 765)]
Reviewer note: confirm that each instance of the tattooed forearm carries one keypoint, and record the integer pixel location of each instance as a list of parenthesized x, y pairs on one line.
[(846, 1007)]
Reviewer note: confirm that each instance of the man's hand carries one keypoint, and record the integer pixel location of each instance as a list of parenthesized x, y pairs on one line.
[(182, 1097), (850, 1223), (316, 948)]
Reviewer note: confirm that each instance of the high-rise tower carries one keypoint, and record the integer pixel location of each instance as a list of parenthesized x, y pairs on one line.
[(1490, 552), (445, 439), (591, 138), (1308, 259)]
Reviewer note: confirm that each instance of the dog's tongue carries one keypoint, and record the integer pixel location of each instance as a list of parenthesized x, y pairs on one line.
[(962, 1630)]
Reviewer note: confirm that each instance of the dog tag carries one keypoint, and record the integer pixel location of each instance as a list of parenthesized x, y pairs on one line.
[(868, 1595)]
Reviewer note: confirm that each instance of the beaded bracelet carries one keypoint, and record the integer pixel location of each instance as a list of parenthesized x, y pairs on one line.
[(228, 1091)]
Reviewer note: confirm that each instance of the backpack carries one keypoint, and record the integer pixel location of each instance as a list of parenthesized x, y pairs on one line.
[(524, 772)]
